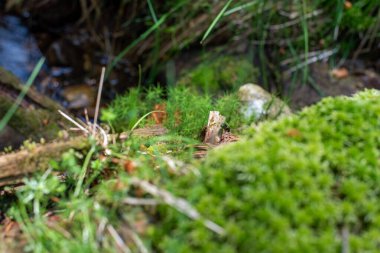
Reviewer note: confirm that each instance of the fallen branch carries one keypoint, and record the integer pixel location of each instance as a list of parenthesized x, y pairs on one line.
[(15, 166)]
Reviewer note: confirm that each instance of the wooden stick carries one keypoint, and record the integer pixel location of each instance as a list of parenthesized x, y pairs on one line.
[(178, 203), (214, 128), (98, 100)]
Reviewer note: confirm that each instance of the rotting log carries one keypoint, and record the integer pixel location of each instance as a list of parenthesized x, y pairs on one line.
[(36, 117), (15, 166)]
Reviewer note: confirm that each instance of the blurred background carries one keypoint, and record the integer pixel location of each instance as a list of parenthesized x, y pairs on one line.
[(301, 50)]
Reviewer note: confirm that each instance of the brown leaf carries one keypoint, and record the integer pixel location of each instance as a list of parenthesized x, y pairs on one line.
[(45, 122), (293, 133), (159, 117), (118, 186), (347, 5), (340, 73), (11, 228), (129, 166), (55, 199)]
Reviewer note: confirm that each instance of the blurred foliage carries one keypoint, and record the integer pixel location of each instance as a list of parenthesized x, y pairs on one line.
[(298, 184), (305, 183), (224, 73), (277, 35), (293, 185), (186, 110)]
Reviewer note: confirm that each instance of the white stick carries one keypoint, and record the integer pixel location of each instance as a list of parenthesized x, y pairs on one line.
[(73, 121), (119, 241), (178, 203), (98, 100)]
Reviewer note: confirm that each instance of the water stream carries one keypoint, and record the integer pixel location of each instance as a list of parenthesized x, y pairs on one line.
[(18, 48)]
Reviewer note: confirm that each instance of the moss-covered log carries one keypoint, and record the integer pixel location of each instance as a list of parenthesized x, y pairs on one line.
[(15, 166), (36, 117)]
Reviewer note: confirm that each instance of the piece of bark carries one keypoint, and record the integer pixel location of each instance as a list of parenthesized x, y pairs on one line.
[(12, 86), (155, 130), (214, 128), (214, 135)]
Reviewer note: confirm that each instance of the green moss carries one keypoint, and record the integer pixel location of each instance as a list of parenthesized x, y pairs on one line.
[(126, 110), (30, 122), (358, 17), (223, 73), (230, 107), (187, 112), (292, 186)]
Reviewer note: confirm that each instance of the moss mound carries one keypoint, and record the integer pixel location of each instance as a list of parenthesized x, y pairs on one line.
[(306, 183), (187, 112), (222, 73)]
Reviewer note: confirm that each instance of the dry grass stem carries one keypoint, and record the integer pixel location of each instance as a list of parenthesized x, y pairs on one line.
[(178, 203)]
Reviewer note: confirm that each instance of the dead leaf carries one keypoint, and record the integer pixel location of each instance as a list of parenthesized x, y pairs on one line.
[(293, 133), (340, 73), (55, 199), (45, 122), (129, 166), (160, 116), (347, 5), (11, 228), (118, 185)]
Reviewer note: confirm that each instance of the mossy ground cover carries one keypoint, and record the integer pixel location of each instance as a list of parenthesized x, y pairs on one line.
[(186, 111), (293, 185), (220, 74), (305, 183)]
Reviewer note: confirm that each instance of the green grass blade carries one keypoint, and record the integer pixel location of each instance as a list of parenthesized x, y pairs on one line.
[(4, 121), (83, 172), (134, 43), (215, 21), (240, 7), (141, 119), (306, 40), (141, 38), (152, 12)]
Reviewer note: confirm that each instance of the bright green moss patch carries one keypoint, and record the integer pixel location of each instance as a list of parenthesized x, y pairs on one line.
[(294, 185), (186, 111), (126, 110)]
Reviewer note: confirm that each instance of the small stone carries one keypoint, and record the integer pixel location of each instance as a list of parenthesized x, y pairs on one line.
[(258, 103), (79, 96), (340, 73)]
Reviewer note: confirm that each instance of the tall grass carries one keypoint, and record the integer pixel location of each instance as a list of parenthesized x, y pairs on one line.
[(215, 21), (270, 26)]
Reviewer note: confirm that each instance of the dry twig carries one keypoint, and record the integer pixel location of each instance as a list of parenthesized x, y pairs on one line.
[(178, 203)]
